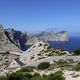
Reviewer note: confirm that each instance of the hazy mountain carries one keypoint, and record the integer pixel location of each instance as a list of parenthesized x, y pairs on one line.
[(49, 36), (14, 40)]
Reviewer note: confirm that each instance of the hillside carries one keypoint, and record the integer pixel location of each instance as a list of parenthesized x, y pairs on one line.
[(13, 40), (40, 50)]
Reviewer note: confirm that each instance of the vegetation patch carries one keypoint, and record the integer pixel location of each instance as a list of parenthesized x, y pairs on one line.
[(43, 65), (26, 69), (63, 63), (76, 67), (36, 76), (56, 76)]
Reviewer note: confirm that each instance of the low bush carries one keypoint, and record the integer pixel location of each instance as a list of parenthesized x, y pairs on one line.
[(76, 67), (2, 78), (26, 69), (18, 76), (36, 76), (43, 65), (62, 63), (56, 76), (49, 47)]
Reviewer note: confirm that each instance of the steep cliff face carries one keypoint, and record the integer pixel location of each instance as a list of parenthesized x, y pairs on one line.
[(49, 36), (17, 37), (5, 43), (14, 40), (62, 36)]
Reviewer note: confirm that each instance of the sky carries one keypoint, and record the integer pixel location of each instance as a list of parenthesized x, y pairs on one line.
[(38, 15)]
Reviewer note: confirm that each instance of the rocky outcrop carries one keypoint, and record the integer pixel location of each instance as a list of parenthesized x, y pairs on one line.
[(40, 50), (17, 37), (31, 53), (22, 40), (5, 43), (62, 36), (13, 40), (49, 36)]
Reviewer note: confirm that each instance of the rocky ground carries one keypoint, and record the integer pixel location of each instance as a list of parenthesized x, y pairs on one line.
[(13, 42), (41, 50)]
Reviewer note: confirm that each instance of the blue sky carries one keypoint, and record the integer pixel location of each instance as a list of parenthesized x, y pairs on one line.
[(37, 15)]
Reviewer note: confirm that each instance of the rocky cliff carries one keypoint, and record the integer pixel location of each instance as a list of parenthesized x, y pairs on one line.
[(17, 37), (49, 36), (5, 43), (14, 40)]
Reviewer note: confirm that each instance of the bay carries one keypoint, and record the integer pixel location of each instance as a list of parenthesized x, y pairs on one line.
[(71, 45)]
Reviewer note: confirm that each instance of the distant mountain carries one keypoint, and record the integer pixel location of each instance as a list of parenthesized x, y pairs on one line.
[(13, 40), (49, 36)]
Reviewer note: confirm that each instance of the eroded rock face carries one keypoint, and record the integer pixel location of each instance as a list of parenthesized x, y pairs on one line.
[(20, 39), (6, 59), (49, 36), (13, 40), (17, 37), (5, 43), (32, 53), (62, 36)]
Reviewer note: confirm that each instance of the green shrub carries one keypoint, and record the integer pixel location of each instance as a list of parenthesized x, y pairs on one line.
[(2, 78), (56, 76), (26, 69), (62, 63), (43, 65), (14, 76), (19, 76), (76, 67), (49, 47), (59, 72), (36, 75), (44, 76), (36, 78)]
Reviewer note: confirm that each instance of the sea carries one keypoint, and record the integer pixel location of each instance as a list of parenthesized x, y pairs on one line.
[(71, 45)]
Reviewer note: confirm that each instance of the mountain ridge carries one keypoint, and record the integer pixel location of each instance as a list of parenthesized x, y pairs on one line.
[(20, 40)]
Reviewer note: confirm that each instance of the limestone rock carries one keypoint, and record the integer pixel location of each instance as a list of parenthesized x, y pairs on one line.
[(5, 43), (17, 37), (49, 36), (39, 51)]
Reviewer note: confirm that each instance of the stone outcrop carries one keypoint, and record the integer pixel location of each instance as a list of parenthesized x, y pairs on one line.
[(17, 37), (5, 43), (14, 40), (62, 36), (39, 51), (22, 40), (49, 36)]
